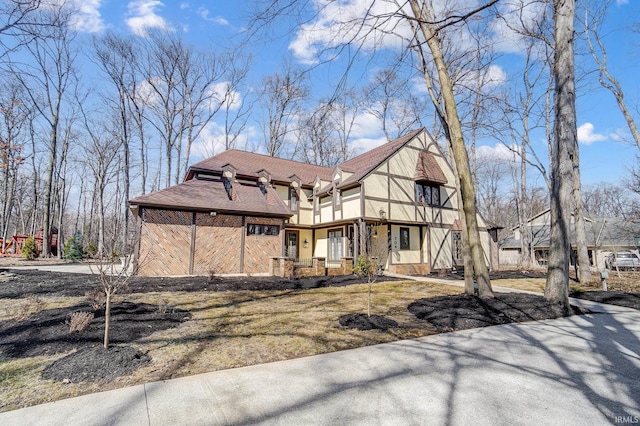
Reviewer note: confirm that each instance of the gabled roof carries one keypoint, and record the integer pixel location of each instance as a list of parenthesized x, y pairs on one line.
[(365, 163), (600, 232), (427, 169), (250, 164), (210, 195)]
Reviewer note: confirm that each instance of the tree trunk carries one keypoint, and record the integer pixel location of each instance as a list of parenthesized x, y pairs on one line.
[(584, 266), (459, 151), (46, 219), (564, 141), (107, 316)]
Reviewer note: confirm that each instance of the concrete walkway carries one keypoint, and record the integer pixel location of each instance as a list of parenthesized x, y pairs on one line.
[(583, 370)]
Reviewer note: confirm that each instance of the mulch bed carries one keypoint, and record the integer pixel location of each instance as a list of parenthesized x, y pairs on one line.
[(620, 298), (461, 312), (365, 322), (96, 364), (35, 282), (47, 332)]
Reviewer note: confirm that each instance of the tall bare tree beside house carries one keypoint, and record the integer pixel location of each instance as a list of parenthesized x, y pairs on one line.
[(47, 81), (101, 150), (428, 31), (564, 144), (181, 98), (116, 56)]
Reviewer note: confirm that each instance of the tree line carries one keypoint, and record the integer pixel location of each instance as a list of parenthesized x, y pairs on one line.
[(73, 152)]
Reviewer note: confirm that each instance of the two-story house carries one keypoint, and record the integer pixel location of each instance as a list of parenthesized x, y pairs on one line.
[(237, 210)]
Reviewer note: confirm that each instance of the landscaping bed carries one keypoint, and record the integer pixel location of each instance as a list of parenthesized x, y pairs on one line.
[(164, 328)]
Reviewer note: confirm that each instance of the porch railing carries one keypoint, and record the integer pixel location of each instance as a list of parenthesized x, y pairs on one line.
[(302, 263)]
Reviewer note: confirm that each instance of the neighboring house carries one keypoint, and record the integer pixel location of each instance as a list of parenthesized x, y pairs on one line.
[(237, 210), (604, 236)]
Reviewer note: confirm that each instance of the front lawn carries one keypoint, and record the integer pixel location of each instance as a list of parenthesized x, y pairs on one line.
[(186, 326)]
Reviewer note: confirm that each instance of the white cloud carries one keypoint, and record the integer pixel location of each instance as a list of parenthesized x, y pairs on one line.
[(204, 13), (143, 16), (621, 2), (212, 140), (361, 145), (515, 15), (587, 135), (88, 18), (221, 92), (335, 25), (621, 134), (366, 126), (85, 15), (498, 152)]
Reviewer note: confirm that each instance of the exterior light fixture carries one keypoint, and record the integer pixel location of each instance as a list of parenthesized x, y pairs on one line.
[(305, 244), (383, 214)]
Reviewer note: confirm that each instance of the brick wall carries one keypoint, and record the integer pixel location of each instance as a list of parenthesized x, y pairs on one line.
[(217, 245), (258, 249), (411, 269), (165, 243)]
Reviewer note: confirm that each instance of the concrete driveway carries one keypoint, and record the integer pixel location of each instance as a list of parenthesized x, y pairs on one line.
[(583, 370)]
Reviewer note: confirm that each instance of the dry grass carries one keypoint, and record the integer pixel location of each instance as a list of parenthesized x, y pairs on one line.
[(234, 329), (529, 284), (626, 281)]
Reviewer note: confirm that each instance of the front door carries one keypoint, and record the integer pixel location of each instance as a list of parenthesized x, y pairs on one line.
[(335, 245), (291, 244)]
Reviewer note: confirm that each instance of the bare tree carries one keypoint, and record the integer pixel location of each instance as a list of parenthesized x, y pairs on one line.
[(607, 80), (17, 19), (181, 98), (282, 95), (564, 144), (47, 80), (101, 150), (14, 117), (397, 108), (428, 30), (370, 263)]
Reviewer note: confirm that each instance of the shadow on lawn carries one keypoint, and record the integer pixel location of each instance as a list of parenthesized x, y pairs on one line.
[(581, 368)]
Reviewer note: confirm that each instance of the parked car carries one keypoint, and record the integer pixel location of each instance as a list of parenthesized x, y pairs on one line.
[(623, 260)]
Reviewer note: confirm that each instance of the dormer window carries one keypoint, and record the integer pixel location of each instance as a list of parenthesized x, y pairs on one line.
[(263, 188), (293, 199), (228, 187), (264, 179), (428, 193)]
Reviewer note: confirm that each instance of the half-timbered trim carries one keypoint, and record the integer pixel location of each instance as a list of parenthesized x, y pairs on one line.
[(209, 223)]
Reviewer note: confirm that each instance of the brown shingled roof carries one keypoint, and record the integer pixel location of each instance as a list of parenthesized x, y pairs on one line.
[(365, 163), (201, 194), (428, 169), (250, 163)]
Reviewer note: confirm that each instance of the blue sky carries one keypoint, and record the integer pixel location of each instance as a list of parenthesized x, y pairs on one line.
[(602, 131)]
